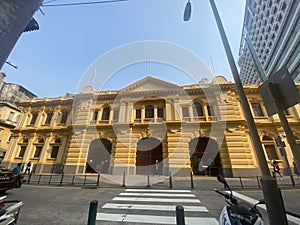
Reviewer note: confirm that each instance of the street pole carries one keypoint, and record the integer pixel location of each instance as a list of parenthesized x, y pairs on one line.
[(281, 145), (288, 131), (286, 127), (271, 192)]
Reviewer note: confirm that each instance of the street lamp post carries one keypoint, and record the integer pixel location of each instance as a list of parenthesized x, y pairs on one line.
[(271, 192)]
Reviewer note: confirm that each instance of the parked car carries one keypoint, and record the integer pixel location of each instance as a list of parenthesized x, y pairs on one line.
[(9, 179)]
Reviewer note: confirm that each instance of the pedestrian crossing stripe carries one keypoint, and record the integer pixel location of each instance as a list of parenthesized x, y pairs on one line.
[(157, 190), (154, 207), (154, 219), (138, 199), (157, 194), (147, 200)]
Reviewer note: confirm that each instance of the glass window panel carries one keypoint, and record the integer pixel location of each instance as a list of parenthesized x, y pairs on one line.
[(33, 118), (138, 114), (160, 112), (22, 151), (149, 111), (54, 152), (271, 152), (105, 114), (49, 118), (197, 109), (95, 115), (185, 112), (11, 116), (64, 117), (257, 109), (210, 110), (38, 151)]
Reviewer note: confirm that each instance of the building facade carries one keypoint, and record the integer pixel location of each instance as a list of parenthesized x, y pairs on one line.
[(9, 115), (13, 93), (148, 127), (10, 96), (273, 29)]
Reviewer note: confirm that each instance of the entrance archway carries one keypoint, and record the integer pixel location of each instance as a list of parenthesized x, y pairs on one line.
[(149, 159), (98, 159), (205, 156)]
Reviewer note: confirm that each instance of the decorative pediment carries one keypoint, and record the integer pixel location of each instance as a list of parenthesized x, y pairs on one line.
[(150, 84)]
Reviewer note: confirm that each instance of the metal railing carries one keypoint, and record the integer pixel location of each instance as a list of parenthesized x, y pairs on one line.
[(97, 180)]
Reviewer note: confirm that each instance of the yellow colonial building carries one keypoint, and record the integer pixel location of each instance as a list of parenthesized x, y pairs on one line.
[(149, 127), (9, 115)]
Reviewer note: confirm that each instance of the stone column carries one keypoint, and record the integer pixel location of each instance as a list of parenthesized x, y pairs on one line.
[(130, 112), (122, 112), (168, 110), (12, 149), (23, 119), (177, 110), (30, 149)]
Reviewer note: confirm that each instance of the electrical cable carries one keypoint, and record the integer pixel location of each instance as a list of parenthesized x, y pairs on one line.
[(82, 3)]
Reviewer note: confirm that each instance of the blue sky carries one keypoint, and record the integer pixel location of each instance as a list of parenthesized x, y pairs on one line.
[(61, 56)]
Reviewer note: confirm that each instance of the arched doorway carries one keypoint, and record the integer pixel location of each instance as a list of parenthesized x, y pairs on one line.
[(205, 156), (99, 156), (149, 159)]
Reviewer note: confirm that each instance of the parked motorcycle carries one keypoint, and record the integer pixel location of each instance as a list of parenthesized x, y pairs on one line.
[(9, 211), (237, 212)]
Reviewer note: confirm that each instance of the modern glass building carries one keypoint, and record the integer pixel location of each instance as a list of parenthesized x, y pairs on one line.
[(273, 31)]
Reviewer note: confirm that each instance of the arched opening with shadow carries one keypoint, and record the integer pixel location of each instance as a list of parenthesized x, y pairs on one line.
[(149, 157), (205, 157), (99, 155)]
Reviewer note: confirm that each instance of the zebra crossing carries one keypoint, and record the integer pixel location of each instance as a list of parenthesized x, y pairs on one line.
[(153, 206)]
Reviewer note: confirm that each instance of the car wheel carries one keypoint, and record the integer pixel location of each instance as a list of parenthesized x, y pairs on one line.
[(19, 183)]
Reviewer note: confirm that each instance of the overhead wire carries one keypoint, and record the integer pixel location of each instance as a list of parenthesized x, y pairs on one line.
[(79, 3)]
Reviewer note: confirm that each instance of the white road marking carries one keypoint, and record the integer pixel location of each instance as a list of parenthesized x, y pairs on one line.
[(157, 195), (154, 207), (253, 201), (157, 190), (157, 199), (154, 219)]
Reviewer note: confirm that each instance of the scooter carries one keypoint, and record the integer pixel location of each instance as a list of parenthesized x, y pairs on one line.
[(9, 211), (237, 213)]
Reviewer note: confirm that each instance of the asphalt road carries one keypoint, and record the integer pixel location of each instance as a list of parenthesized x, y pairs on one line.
[(70, 205)]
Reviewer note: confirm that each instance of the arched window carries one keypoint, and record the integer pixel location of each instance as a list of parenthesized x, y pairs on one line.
[(149, 111), (105, 113), (22, 151), (23, 147), (257, 110), (49, 118), (197, 109), (270, 149), (39, 146), (33, 118)]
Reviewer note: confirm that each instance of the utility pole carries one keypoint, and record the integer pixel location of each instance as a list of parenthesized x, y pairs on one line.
[(271, 192), (286, 127)]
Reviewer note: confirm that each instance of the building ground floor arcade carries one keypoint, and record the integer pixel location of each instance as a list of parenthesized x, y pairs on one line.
[(137, 150)]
